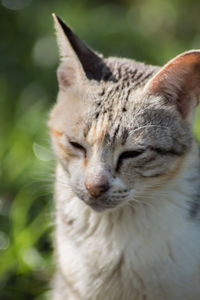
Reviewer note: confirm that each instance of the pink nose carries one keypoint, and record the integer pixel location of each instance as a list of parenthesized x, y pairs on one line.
[(96, 187)]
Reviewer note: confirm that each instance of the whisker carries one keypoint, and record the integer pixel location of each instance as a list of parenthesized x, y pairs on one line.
[(147, 126)]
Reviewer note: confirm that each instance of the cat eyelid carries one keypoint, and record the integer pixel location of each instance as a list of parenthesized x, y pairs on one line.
[(129, 154), (77, 146)]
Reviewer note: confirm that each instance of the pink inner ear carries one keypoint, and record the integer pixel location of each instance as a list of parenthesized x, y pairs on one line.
[(179, 81)]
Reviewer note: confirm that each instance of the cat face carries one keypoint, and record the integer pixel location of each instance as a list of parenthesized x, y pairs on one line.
[(118, 128), (112, 156)]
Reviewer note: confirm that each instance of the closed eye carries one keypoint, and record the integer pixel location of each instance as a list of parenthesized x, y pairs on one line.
[(126, 155), (78, 147)]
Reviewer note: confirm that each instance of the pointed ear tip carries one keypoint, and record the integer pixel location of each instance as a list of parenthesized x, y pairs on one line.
[(55, 17), (58, 20)]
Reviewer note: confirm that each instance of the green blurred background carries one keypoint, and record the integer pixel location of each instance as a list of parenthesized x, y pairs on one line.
[(152, 31)]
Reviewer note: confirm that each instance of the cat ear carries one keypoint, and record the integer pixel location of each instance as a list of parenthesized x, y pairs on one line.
[(179, 82), (78, 61)]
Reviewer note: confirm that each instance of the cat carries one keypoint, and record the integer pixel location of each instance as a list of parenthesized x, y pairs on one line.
[(127, 178)]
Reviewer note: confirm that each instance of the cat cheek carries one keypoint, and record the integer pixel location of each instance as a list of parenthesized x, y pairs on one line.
[(128, 175)]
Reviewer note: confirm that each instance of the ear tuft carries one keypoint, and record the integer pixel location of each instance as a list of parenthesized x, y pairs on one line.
[(179, 81)]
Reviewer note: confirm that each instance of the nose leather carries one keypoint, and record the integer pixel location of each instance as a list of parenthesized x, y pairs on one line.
[(97, 187)]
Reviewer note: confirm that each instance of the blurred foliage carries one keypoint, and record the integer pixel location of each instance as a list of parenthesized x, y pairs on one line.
[(148, 30)]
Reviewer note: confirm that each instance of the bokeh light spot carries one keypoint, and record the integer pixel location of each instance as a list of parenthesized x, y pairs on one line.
[(45, 52), (16, 4), (4, 241), (32, 258), (42, 153)]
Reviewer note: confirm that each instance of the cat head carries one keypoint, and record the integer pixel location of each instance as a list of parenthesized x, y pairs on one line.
[(121, 128)]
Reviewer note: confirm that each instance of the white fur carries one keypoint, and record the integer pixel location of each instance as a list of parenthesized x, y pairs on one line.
[(150, 252)]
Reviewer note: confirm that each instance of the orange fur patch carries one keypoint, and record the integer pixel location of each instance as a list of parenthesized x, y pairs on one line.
[(57, 135), (98, 130), (56, 132)]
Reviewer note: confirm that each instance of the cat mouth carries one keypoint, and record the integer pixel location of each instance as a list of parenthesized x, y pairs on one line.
[(102, 203)]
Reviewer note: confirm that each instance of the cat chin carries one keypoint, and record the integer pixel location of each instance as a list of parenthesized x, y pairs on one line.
[(97, 207), (100, 207)]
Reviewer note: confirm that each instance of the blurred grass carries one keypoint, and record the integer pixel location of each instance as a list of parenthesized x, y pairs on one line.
[(149, 30)]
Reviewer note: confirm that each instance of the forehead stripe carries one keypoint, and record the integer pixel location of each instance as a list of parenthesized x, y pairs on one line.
[(98, 130)]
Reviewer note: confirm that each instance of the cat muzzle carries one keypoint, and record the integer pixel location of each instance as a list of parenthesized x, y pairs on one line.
[(97, 188)]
